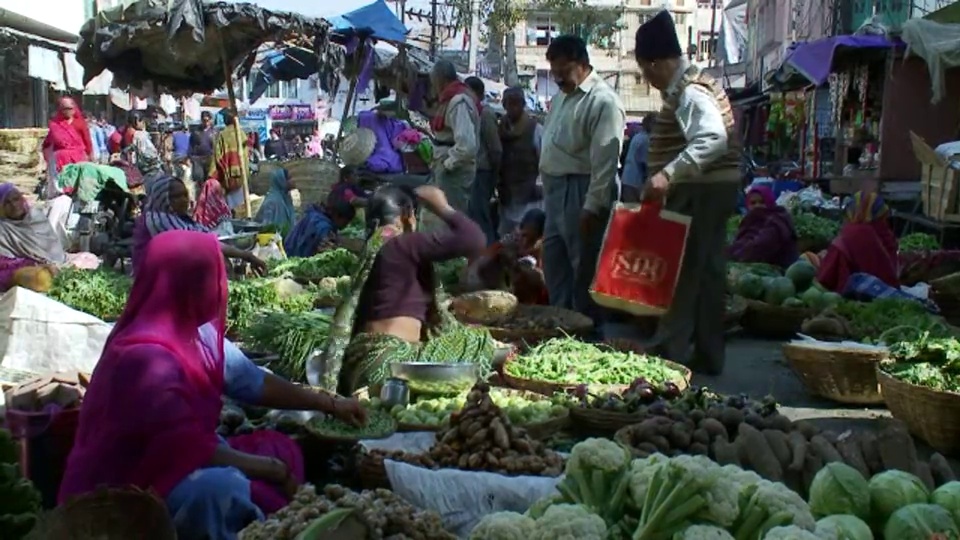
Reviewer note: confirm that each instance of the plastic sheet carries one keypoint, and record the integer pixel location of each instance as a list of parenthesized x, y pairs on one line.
[(938, 45)]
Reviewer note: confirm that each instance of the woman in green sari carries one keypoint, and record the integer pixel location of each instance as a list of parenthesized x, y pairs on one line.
[(393, 312)]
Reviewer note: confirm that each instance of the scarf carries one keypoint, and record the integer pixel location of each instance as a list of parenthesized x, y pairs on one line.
[(68, 138), (277, 208), (31, 237), (211, 209), (228, 159), (454, 89), (158, 217), (866, 208), (148, 419)]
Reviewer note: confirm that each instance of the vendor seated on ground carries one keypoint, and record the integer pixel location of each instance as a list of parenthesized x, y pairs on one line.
[(30, 250), (318, 228), (393, 307), (866, 244), (277, 207), (167, 208), (150, 412), (382, 121), (348, 189), (766, 233), (516, 260)]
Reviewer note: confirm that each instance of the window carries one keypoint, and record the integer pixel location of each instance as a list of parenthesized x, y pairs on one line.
[(545, 33), (291, 89), (707, 46), (679, 18)]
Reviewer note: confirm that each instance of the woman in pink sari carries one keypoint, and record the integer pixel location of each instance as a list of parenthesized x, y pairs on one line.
[(68, 137), (150, 414)]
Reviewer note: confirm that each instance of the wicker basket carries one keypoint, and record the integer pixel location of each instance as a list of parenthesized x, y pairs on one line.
[(108, 513), (319, 435), (372, 472), (929, 414), (601, 422), (845, 375), (566, 322), (547, 388), (774, 322)]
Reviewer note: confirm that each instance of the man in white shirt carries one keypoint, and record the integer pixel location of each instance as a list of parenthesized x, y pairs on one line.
[(578, 165), (694, 160)]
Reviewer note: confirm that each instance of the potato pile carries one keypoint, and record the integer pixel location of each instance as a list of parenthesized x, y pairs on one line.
[(778, 449), (384, 514), (481, 437)]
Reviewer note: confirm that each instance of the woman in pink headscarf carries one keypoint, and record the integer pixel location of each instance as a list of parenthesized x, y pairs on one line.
[(68, 137), (766, 233), (150, 414)]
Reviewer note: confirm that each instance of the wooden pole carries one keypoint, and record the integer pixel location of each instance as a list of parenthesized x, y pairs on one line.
[(358, 62), (231, 94)]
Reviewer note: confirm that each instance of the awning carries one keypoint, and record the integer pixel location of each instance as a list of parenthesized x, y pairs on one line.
[(376, 20), (814, 60), (55, 62)]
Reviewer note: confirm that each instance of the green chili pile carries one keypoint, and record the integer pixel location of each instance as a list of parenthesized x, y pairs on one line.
[(293, 336), (331, 263)]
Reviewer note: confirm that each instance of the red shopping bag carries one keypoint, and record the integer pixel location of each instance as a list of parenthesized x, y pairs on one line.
[(640, 260)]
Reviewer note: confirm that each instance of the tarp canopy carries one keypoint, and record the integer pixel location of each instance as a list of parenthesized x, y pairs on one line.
[(376, 20), (938, 45), (175, 45), (733, 32), (814, 60)]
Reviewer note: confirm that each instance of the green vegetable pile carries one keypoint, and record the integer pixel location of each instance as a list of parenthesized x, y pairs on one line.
[(918, 242), (569, 361), (930, 362), (797, 288), (331, 263), (891, 320), (102, 293), (357, 228), (248, 297), (521, 410), (293, 336), (379, 426), (449, 272), (19, 500), (818, 230)]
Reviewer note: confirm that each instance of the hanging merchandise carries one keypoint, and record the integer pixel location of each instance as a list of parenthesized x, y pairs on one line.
[(839, 88)]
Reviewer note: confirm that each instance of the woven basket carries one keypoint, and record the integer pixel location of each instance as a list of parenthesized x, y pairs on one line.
[(108, 513), (601, 422), (773, 322), (372, 472), (844, 375), (929, 414), (319, 435), (565, 322), (547, 388)]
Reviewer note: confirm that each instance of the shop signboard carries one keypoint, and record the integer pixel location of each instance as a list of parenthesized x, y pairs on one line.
[(255, 120), (292, 113)]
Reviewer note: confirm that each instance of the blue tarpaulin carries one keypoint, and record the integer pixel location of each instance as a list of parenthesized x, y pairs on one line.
[(376, 20), (283, 65)]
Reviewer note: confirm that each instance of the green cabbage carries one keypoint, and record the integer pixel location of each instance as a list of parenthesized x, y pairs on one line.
[(843, 527), (921, 522), (892, 490), (948, 496), (839, 489)]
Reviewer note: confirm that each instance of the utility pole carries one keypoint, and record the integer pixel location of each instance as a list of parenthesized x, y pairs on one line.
[(433, 29), (473, 52), (713, 34)]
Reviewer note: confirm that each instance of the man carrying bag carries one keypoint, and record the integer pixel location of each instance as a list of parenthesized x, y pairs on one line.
[(694, 160)]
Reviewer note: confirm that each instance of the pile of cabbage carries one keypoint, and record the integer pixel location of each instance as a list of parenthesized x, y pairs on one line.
[(606, 495)]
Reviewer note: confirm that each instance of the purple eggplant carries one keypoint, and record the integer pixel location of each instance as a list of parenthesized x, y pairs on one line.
[(645, 393), (670, 391)]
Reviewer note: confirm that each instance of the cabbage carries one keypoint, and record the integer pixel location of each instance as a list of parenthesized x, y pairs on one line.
[(843, 527), (892, 490), (839, 489), (948, 496), (921, 522)]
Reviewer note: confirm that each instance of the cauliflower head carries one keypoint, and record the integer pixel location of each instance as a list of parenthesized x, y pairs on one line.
[(790, 533), (503, 526), (598, 455), (703, 532), (641, 474), (569, 522), (776, 497), (723, 499)]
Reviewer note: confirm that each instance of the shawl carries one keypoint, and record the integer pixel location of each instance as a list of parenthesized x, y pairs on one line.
[(69, 139), (150, 414), (158, 216), (869, 248), (766, 235), (211, 209), (439, 122), (866, 208), (228, 159), (306, 237), (277, 208), (384, 158), (31, 237)]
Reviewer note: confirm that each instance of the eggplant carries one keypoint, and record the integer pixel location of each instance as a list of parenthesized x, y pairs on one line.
[(670, 390), (645, 393)]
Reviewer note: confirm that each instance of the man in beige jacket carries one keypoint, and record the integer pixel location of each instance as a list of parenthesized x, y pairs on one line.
[(694, 162)]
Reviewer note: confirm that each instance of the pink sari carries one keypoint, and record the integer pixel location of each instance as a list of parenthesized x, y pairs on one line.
[(68, 140), (150, 414)]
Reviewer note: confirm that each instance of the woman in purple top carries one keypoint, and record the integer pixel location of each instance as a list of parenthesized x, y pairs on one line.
[(392, 314), (385, 159)]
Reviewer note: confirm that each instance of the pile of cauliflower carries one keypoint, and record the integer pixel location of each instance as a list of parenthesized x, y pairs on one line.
[(607, 495)]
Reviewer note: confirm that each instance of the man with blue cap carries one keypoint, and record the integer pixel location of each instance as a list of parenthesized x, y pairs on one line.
[(694, 163)]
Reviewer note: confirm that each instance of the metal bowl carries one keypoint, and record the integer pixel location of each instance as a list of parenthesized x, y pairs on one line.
[(240, 241), (436, 377)]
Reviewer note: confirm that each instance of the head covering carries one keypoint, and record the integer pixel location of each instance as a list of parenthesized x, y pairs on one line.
[(308, 234), (357, 147), (212, 208), (657, 38), (155, 371), (158, 194), (277, 207), (866, 208), (30, 238), (158, 217), (769, 200)]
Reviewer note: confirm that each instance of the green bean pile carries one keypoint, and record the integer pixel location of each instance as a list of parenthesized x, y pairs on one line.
[(379, 425), (293, 336), (331, 263), (248, 297), (569, 361)]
